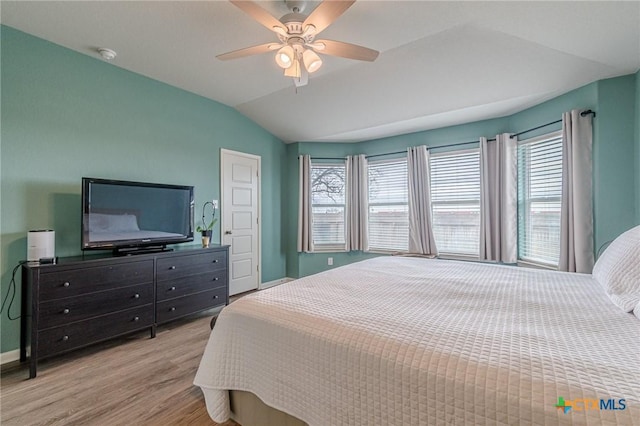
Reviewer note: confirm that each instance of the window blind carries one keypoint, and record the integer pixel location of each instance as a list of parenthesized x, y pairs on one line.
[(539, 197), (388, 205), (328, 205), (455, 202)]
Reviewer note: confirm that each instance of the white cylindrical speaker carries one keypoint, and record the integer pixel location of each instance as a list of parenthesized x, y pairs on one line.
[(41, 243)]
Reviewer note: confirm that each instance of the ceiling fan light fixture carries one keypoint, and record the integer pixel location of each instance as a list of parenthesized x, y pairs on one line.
[(279, 30), (285, 57), (294, 70), (312, 61), (310, 29)]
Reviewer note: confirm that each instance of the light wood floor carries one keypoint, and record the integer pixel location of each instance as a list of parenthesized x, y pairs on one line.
[(129, 381)]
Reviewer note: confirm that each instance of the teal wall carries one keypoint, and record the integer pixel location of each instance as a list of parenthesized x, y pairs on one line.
[(615, 189), (616, 144), (302, 264), (614, 182), (637, 118), (66, 115)]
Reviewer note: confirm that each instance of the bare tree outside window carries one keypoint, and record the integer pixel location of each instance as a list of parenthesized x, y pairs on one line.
[(328, 188)]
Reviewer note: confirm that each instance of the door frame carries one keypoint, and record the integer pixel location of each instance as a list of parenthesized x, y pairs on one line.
[(224, 151)]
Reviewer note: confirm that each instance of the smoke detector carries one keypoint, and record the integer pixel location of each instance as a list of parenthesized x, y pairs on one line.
[(107, 54)]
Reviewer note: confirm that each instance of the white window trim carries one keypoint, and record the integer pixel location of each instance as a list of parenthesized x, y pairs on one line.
[(455, 152), (458, 256), (535, 265), (378, 250), (448, 255), (524, 261), (330, 247), (552, 135)]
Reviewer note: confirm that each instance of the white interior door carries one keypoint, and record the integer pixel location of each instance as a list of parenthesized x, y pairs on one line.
[(240, 226)]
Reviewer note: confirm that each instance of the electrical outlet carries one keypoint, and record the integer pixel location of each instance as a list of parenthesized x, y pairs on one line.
[(330, 261), (215, 203)]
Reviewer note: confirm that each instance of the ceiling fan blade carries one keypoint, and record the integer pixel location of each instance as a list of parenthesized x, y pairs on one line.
[(345, 50), (326, 12), (253, 50), (258, 13)]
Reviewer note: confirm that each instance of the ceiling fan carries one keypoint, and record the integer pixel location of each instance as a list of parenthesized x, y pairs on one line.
[(297, 51)]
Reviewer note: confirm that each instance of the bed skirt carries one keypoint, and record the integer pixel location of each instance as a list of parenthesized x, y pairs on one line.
[(248, 410)]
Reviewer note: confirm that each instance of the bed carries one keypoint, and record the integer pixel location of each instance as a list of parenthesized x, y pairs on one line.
[(413, 341)]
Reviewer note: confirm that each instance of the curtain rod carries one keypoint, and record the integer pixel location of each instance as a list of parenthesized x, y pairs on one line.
[(429, 147), (402, 152), (583, 114)]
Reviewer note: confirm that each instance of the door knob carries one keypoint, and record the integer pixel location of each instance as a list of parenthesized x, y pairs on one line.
[(228, 232)]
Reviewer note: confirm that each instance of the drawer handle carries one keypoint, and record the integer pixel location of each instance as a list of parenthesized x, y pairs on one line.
[(66, 284), (173, 288), (172, 268), (216, 278), (136, 296), (215, 260), (136, 318), (65, 311), (172, 309), (216, 296), (65, 338)]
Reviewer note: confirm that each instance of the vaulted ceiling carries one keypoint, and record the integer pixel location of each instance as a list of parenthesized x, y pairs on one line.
[(441, 63)]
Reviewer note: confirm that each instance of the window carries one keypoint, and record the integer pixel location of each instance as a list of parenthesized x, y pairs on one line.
[(455, 202), (539, 194), (327, 205), (388, 205)]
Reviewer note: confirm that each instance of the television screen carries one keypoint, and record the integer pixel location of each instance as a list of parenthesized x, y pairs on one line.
[(123, 215)]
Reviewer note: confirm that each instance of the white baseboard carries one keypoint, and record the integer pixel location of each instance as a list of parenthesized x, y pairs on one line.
[(9, 356), (275, 282)]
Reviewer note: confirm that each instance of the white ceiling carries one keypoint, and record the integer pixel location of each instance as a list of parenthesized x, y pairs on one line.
[(441, 63)]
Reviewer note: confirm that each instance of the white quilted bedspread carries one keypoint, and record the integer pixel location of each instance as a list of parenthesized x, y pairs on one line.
[(410, 341)]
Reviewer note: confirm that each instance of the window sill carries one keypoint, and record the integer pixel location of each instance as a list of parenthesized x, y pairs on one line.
[(534, 265), (463, 257), (328, 250), (387, 252)]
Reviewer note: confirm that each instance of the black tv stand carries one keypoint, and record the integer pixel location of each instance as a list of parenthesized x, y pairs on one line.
[(129, 251), (79, 301)]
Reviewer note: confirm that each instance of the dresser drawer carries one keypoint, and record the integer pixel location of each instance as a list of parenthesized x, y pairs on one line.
[(192, 284), (183, 266), (175, 308), (70, 336), (62, 311), (57, 284)]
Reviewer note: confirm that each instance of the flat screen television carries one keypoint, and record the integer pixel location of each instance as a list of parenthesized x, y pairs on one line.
[(134, 217)]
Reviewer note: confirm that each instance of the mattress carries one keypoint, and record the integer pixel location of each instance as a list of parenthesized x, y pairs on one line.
[(399, 341)]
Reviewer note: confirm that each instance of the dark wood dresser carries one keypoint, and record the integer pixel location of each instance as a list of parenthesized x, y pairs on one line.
[(83, 300)]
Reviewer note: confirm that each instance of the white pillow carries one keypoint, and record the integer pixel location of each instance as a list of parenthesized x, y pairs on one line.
[(636, 311), (618, 270)]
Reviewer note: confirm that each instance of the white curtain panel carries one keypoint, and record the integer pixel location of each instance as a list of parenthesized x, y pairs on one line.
[(305, 236), (357, 202), (576, 211), (499, 199), (421, 239)]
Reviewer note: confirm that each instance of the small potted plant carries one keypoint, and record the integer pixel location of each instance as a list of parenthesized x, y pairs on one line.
[(206, 229)]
